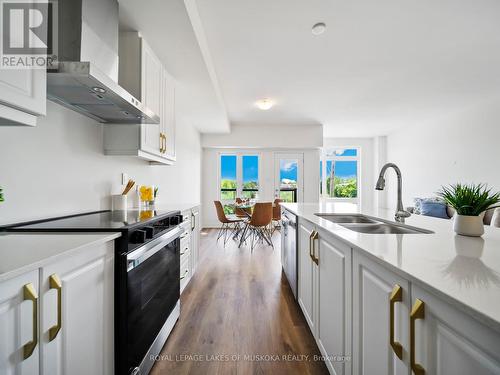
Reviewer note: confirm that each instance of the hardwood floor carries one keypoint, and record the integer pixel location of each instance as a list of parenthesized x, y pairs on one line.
[(238, 316)]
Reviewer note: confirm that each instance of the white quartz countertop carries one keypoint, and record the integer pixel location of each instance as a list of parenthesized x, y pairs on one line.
[(23, 252), (465, 271)]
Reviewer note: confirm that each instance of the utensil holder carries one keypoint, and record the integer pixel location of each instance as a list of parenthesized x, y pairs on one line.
[(118, 202)]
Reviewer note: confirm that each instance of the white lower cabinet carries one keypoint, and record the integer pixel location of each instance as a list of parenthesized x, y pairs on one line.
[(190, 243), (334, 303), (449, 342), (72, 324), (195, 237), (324, 294), (19, 354), (307, 272), (77, 296), (373, 321), (444, 340)]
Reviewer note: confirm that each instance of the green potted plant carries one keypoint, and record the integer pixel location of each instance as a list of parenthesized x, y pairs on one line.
[(470, 201)]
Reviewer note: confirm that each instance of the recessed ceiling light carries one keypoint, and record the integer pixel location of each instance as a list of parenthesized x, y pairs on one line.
[(264, 104), (319, 28)]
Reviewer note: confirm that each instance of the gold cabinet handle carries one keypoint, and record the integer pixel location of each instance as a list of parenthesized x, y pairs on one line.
[(29, 294), (185, 274), (396, 296), (310, 246), (161, 143), (165, 143), (315, 236), (55, 283), (417, 312)]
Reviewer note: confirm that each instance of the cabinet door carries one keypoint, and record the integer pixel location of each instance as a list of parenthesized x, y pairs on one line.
[(195, 239), (307, 274), (17, 326), (334, 303), (152, 87), (449, 342), (372, 288), (84, 342), (168, 116), (24, 89)]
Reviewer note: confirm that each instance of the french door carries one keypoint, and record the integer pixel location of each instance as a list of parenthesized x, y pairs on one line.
[(288, 177)]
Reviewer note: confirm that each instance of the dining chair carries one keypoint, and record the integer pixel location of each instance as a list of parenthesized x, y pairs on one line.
[(258, 226), (276, 222), (243, 213), (230, 223)]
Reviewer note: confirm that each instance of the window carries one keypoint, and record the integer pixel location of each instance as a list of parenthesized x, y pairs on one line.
[(288, 179), (228, 187), (339, 174), (250, 172), (239, 176)]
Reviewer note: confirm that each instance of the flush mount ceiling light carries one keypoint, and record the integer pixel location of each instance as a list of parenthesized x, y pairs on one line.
[(98, 89), (319, 28), (264, 104)]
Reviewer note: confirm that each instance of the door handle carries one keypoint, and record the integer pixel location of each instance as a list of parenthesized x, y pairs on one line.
[(315, 259), (164, 143), (417, 312), (55, 283), (161, 142), (29, 294), (396, 296)]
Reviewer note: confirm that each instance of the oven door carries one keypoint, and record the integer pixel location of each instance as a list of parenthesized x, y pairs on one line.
[(153, 290)]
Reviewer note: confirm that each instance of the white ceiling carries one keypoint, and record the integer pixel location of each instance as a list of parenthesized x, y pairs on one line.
[(381, 65), (167, 28)]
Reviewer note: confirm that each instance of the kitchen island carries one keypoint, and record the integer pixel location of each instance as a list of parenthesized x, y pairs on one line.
[(387, 296)]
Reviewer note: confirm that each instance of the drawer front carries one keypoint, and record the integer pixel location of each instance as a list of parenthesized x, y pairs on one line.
[(185, 254)]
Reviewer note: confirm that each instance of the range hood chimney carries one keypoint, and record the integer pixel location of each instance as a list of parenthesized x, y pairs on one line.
[(85, 77)]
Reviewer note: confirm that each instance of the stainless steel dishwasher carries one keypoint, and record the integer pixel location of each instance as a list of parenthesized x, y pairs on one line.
[(289, 249)]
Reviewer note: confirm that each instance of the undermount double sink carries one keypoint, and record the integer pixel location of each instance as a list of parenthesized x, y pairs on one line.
[(365, 224)]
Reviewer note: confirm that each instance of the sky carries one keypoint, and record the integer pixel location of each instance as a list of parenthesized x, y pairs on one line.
[(250, 167), (343, 169)]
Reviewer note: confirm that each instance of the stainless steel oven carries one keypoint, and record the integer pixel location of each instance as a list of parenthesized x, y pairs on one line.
[(152, 299)]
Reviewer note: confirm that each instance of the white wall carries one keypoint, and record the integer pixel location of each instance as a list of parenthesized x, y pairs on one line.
[(210, 174), (463, 147), (286, 137), (58, 167), (368, 165)]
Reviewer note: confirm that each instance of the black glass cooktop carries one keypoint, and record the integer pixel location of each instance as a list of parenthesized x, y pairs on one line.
[(98, 221)]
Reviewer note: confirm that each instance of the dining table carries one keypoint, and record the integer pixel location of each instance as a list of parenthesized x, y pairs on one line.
[(245, 207)]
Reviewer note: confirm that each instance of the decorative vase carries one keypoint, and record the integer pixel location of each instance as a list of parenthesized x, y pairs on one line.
[(471, 226)]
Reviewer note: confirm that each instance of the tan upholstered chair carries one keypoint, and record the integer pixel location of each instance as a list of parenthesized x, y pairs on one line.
[(230, 223), (258, 226), (276, 222)]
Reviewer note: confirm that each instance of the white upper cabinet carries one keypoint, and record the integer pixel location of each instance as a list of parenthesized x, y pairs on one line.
[(168, 123), (23, 94), (142, 74)]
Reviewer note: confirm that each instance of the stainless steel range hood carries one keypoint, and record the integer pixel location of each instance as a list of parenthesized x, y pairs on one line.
[(85, 77)]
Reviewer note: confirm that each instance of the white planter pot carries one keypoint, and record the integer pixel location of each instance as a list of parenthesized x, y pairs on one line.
[(472, 226)]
